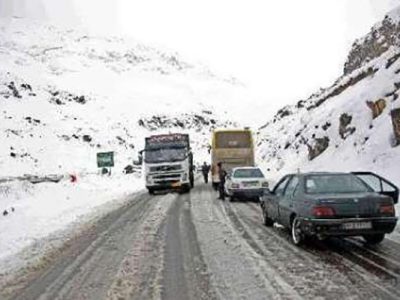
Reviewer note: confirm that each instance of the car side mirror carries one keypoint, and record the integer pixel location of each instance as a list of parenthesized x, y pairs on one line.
[(268, 192)]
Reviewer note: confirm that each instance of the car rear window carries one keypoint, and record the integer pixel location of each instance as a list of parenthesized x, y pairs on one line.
[(248, 173), (335, 184)]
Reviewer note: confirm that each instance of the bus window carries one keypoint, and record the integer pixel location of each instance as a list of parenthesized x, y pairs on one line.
[(228, 140)]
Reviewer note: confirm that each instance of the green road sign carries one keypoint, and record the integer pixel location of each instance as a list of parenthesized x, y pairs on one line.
[(105, 159)]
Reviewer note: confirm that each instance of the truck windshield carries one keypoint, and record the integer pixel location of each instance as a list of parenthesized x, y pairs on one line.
[(335, 184), (164, 155)]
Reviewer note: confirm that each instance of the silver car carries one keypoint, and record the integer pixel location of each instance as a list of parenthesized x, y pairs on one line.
[(245, 182)]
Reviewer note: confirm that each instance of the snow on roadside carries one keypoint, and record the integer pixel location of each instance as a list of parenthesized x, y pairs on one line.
[(46, 209)]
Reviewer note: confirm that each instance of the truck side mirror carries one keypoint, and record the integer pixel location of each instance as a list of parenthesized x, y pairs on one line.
[(140, 158)]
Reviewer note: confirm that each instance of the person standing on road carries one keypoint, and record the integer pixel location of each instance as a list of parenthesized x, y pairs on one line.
[(222, 175), (205, 169)]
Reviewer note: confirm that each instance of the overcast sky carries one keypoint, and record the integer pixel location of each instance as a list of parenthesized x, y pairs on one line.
[(282, 50)]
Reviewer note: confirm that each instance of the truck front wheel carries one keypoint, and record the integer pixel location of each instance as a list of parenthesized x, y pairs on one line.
[(185, 189)]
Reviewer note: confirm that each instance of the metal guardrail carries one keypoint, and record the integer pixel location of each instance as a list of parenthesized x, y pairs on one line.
[(33, 178)]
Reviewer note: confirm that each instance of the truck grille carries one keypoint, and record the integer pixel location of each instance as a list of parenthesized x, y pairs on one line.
[(165, 176), (166, 168)]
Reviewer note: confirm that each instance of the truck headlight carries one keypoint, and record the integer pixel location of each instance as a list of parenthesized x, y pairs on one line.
[(184, 176), (265, 184)]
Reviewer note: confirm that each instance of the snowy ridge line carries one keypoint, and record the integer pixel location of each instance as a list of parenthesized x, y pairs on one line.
[(99, 92)]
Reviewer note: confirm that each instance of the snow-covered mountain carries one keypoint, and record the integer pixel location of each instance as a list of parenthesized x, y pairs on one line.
[(379, 40), (65, 95), (348, 125)]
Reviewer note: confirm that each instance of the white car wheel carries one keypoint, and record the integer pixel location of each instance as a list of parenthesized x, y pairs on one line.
[(297, 235)]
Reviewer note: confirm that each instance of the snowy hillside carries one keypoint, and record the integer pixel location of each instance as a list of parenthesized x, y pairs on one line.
[(381, 38), (65, 96), (348, 125)]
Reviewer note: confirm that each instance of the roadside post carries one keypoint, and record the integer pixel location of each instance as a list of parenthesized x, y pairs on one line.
[(395, 113), (105, 160)]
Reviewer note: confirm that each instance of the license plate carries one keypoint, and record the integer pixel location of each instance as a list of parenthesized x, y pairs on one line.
[(357, 225), (250, 184), (176, 184)]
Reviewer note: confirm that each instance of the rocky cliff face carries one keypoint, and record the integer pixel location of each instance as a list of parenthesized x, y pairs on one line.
[(347, 126), (382, 37)]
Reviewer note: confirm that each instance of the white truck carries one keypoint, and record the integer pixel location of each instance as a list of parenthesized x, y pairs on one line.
[(168, 163)]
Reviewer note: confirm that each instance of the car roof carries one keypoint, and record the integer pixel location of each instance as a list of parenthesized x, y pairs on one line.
[(245, 168), (319, 173)]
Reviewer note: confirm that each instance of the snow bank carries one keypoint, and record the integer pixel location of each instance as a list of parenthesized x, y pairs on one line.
[(37, 211)]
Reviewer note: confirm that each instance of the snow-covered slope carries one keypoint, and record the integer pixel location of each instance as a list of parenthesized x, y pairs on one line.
[(65, 95), (335, 128), (380, 39)]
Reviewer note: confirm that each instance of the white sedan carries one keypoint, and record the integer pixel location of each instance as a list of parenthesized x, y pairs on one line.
[(245, 182)]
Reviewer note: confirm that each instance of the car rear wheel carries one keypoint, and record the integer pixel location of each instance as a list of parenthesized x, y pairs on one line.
[(297, 234), (374, 239), (267, 221)]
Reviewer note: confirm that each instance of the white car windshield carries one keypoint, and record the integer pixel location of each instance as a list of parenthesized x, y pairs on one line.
[(248, 173)]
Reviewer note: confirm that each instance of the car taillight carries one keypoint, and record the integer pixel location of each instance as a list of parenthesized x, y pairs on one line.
[(387, 209), (323, 211), (235, 185)]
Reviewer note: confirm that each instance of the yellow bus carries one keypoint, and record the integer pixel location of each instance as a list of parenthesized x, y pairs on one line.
[(234, 148)]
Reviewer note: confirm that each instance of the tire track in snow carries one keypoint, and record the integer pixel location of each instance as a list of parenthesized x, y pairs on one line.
[(139, 274), (237, 271), (363, 283), (82, 270), (185, 275)]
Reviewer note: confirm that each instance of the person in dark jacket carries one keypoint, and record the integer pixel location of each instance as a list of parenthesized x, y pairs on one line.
[(222, 175), (205, 169)]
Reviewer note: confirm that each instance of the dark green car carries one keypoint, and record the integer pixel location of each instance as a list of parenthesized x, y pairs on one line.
[(332, 204)]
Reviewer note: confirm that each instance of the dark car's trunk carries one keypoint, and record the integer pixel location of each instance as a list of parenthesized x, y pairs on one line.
[(354, 205)]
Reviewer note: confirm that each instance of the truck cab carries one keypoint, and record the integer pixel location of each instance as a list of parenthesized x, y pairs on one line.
[(168, 163)]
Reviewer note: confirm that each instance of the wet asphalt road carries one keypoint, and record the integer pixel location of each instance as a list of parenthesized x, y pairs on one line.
[(193, 246)]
